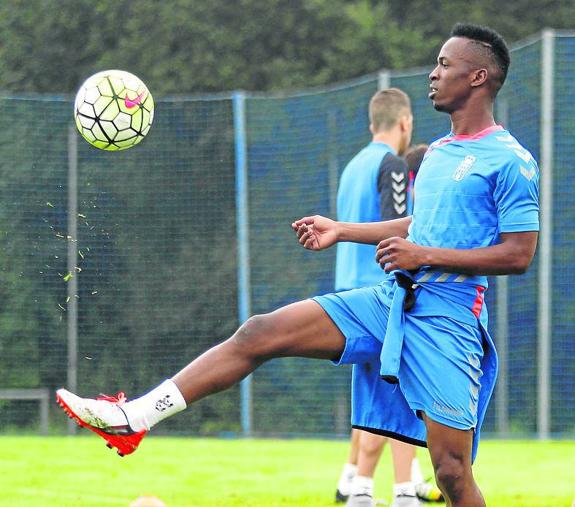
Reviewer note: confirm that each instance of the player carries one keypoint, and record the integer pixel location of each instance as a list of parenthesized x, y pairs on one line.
[(374, 186), (475, 214)]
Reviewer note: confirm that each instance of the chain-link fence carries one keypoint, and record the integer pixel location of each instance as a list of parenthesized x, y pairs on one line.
[(168, 246)]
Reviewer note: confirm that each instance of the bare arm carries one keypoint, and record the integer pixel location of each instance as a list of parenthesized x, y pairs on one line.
[(512, 256), (372, 233), (317, 232)]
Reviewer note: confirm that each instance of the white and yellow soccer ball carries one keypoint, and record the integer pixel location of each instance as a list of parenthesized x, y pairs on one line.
[(113, 110)]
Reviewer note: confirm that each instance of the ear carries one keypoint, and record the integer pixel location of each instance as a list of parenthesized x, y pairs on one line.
[(405, 122), (479, 77), (371, 129)]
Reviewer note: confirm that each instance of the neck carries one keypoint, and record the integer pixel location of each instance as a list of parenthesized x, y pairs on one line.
[(392, 139), (469, 121)]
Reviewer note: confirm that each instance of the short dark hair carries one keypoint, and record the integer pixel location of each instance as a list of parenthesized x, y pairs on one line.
[(491, 41)]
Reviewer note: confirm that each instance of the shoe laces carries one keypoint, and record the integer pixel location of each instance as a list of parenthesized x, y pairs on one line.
[(119, 399)]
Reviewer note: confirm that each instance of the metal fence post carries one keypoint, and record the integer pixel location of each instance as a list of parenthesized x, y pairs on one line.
[(502, 324), (383, 80), (72, 262), (242, 225), (502, 340), (45, 413), (333, 166), (545, 240)]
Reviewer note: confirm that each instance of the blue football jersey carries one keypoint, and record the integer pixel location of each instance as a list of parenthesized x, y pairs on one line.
[(373, 187), (470, 189)]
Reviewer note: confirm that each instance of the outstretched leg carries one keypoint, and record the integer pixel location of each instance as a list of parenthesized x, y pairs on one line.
[(301, 329), (450, 451), (298, 330)]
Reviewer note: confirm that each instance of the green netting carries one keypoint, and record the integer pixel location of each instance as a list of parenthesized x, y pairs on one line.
[(156, 243), (522, 98), (158, 252), (33, 164), (563, 316), (297, 147)]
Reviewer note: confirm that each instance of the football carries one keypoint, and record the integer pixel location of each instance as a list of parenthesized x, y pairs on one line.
[(147, 501), (113, 110)]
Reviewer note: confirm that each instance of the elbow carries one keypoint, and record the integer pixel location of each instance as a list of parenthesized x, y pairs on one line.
[(518, 270), (520, 265), (517, 251)]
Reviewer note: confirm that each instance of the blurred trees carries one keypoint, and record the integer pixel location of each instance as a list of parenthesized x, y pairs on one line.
[(184, 46)]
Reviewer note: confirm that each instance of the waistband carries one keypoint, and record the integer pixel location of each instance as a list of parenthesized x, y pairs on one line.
[(432, 276)]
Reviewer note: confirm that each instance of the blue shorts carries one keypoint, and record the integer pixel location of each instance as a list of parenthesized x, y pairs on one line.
[(440, 367)]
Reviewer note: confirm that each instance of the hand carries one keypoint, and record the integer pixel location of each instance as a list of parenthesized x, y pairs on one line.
[(398, 253), (316, 232)]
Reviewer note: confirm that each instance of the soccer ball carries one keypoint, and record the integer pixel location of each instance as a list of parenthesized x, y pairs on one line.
[(147, 501), (113, 110)]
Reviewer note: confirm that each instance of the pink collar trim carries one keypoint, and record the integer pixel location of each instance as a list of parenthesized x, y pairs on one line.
[(479, 135), (467, 137)]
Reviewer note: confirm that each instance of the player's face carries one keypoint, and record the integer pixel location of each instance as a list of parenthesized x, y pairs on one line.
[(450, 80)]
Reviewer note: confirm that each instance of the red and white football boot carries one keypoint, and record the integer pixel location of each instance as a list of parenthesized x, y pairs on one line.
[(105, 417)]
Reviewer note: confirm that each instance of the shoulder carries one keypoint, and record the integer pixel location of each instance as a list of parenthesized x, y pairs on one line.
[(368, 157), (514, 165), (509, 151), (446, 139), (392, 163)]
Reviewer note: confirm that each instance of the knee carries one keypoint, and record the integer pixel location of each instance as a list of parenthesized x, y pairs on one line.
[(450, 474), (371, 444), (250, 337)]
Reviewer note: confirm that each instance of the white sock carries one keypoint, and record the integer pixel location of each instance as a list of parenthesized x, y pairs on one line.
[(347, 474), (362, 485), (404, 488), (416, 475), (148, 410)]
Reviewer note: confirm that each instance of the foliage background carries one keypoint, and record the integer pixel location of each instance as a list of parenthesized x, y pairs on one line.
[(184, 46)]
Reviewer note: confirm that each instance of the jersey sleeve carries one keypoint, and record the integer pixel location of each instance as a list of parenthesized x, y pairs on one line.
[(517, 196), (392, 186)]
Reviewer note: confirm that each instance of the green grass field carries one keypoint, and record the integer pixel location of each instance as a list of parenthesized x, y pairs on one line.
[(80, 471)]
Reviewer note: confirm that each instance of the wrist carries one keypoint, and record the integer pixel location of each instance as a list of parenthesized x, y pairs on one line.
[(343, 231), (338, 231), (428, 257)]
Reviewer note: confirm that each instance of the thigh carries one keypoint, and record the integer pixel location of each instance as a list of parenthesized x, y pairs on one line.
[(301, 329)]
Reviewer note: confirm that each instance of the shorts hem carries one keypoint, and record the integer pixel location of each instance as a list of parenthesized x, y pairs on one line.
[(391, 434), (347, 354), (439, 418)]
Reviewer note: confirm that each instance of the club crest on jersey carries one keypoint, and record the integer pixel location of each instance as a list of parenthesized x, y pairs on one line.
[(464, 167)]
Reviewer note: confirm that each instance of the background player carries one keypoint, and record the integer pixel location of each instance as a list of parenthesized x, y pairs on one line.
[(476, 214), (413, 157)]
